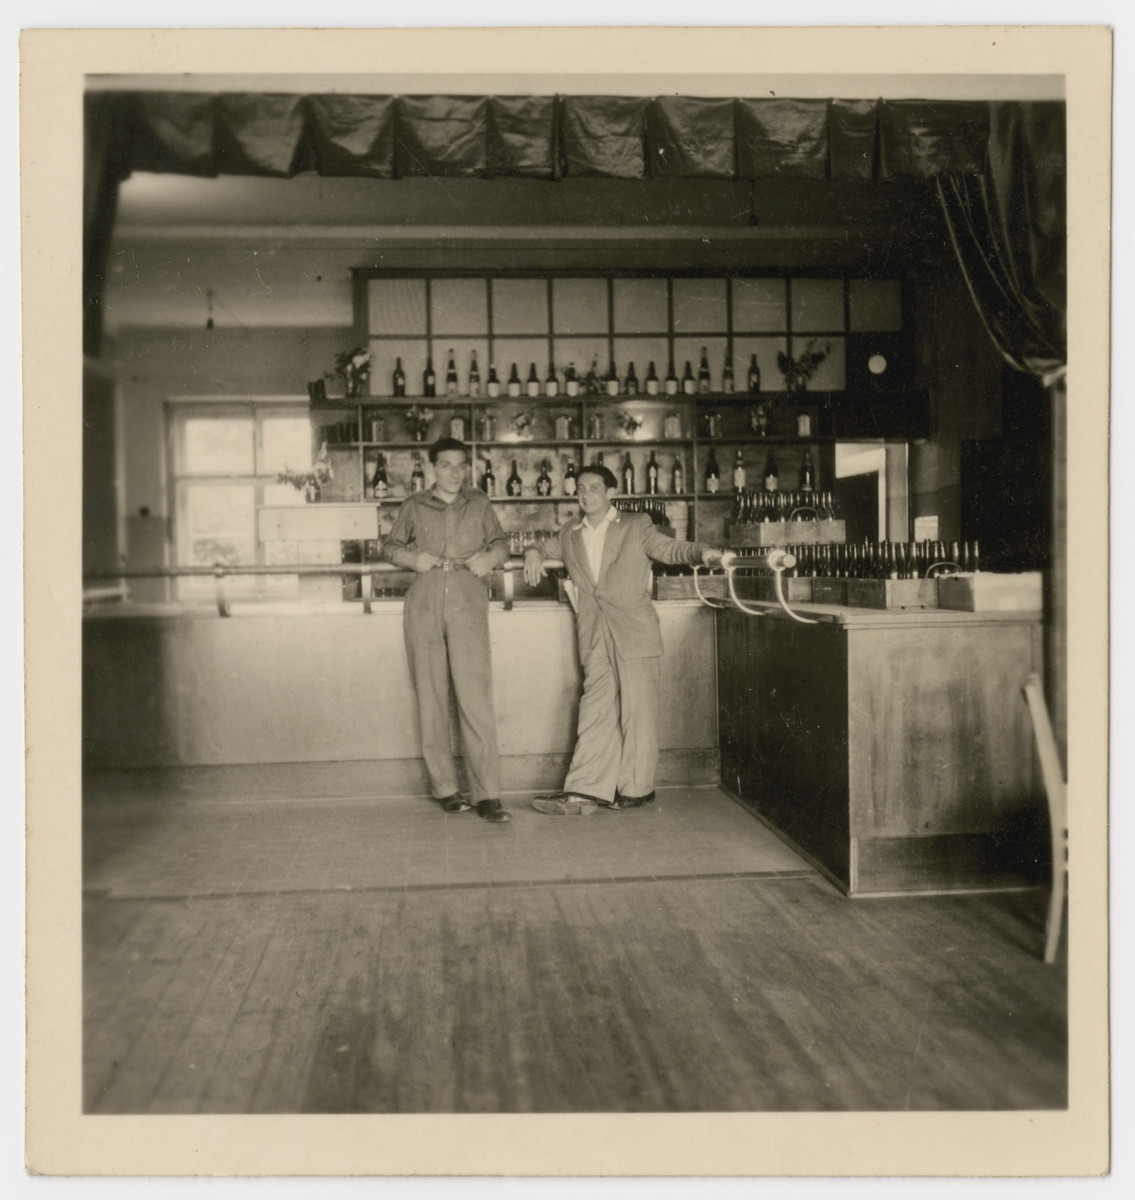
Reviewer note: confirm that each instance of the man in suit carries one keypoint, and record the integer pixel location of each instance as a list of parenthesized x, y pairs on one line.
[(452, 538), (607, 555)]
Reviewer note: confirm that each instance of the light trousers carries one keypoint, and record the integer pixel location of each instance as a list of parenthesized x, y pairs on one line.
[(446, 626), (617, 740)]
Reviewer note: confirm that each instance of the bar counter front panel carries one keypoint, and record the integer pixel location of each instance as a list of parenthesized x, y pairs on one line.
[(281, 696)]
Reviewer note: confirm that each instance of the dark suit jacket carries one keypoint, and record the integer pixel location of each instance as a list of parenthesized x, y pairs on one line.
[(622, 598)]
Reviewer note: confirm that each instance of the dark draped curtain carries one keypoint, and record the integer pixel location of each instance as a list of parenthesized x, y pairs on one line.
[(1008, 228)]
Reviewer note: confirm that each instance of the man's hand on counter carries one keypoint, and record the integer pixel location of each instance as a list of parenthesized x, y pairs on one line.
[(711, 557), (425, 561), (533, 566)]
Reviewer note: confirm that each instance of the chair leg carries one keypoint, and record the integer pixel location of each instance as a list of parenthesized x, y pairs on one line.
[(1055, 792)]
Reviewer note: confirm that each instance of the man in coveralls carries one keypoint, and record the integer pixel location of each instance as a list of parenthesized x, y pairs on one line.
[(607, 555), (452, 538)]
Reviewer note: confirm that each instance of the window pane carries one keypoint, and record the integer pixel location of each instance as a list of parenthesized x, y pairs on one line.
[(219, 524), (218, 446), (286, 442)]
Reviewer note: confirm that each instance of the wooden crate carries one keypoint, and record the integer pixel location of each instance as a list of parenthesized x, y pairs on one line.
[(783, 533), (990, 592), (796, 591), (829, 591), (681, 587), (892, 593)]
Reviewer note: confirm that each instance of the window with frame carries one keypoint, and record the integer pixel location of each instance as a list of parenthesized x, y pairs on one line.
[(225, 458)]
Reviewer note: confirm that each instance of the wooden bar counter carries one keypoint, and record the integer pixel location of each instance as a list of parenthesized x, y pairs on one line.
[(892, 748), (314, 700)]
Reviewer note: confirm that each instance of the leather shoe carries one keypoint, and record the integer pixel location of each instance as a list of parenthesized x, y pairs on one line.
[(455, 803), (564, 804), (491, 811), (633, 801)]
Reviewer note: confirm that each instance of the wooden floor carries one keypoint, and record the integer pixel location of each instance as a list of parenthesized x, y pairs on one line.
[(610, 969)]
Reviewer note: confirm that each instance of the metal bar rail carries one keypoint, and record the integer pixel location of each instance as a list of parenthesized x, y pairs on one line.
[(364, 570)]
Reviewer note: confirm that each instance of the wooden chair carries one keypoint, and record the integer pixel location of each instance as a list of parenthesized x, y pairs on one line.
[(1054, 787)]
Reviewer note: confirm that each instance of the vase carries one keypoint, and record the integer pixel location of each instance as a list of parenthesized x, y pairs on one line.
[(312, 492), (351, 385)]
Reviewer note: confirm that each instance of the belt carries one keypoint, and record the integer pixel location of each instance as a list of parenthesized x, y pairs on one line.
[(454, 564)]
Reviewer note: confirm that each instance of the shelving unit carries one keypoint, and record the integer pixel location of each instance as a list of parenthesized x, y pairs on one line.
[(593, 320)]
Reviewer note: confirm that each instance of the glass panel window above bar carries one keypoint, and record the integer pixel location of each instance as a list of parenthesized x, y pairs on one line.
[(759, 305), (817, 305), (285, 441), (397, 306), (689, 350), (520, 306), (699, 306), (643, 352), (875, 305), (388, 354), (830, 373), (641, 306), (579, 306), (459, 306)]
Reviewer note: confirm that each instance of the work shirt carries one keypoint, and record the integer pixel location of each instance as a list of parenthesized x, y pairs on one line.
[(454, 532), (594, 538)]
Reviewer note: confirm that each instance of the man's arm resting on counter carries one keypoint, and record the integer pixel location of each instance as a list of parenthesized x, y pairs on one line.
[(674, 553)]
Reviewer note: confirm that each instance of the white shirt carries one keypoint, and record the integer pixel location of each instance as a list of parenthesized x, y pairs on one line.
[(594, 537)]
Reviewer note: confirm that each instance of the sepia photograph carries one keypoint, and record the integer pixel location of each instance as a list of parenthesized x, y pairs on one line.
[(463, 455)]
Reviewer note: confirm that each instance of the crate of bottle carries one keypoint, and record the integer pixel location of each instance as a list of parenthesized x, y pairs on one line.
[(892, 593), (829, 591), (784, 533), (796, 590), (990, 592), (681, 587)]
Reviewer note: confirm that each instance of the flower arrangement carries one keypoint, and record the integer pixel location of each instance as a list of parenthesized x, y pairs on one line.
[(418, 422), (797, 371), (353, 368), (521, 424), (629, 424), (310, 482)]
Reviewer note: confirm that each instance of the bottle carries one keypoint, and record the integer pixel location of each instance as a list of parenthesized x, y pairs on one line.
[(571, 380), (630, 387), (739, 472), (727, 373), (570, 482), (712, 474), (628, 475), (651, 381), (451, 376), (771, 475), (457, 427), (703, 373), (380, 487), (533, 386), (552, 384), (689, 385), (488, 426), (612, 381), (563, 427), (671, 381), (489, 480), (513, 485), (474, 375), (429, 379), (399, 378), (544, 480), (514, 382), (677, 478), (754, 376), (417, 475), (492, 385), (807, 473), (652, 476), (591, 380)]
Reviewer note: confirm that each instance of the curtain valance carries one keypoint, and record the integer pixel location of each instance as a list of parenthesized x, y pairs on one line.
[(542, 137)]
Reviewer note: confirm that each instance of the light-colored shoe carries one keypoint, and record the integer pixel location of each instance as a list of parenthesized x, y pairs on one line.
[(566, 805)]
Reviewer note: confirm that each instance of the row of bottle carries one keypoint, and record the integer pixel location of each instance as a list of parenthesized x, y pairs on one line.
[(593, 383), (768, 505), (871, 560), (805, 504)]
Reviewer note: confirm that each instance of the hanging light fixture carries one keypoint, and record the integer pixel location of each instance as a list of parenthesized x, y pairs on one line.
[(209, 302)]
